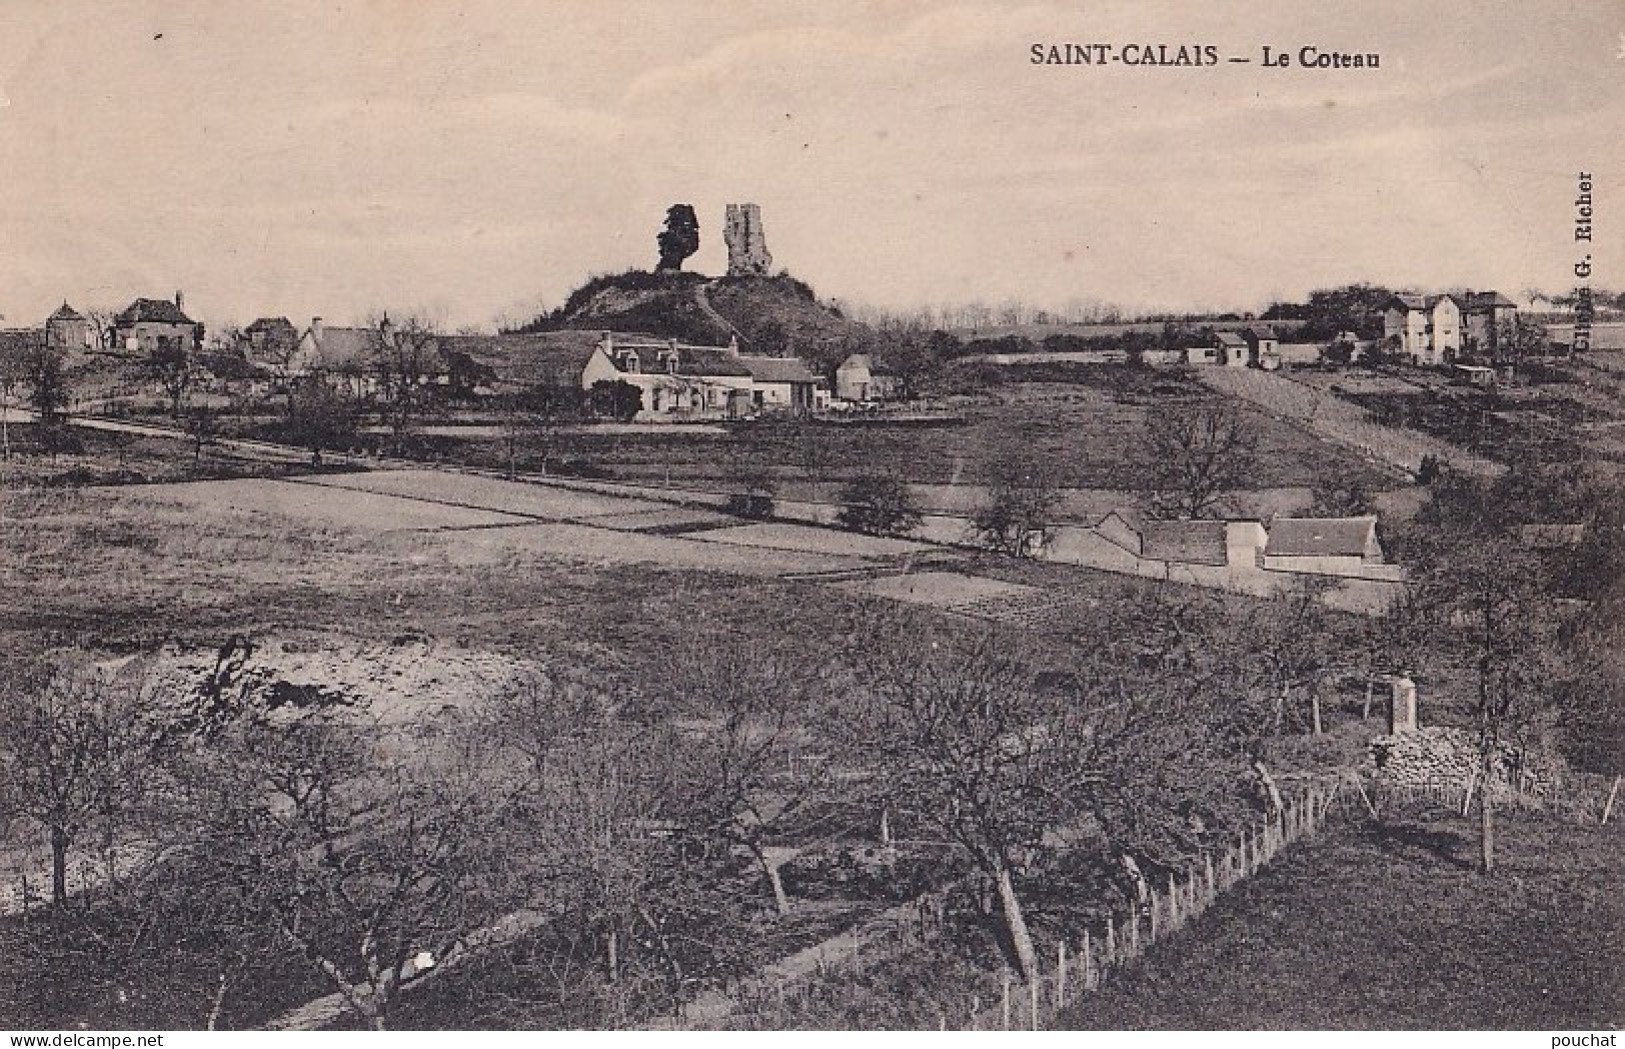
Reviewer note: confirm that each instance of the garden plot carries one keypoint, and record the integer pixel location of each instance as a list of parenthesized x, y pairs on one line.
[(321, 505), (485, 493), (803, 539), (604, 546), (669, 520)]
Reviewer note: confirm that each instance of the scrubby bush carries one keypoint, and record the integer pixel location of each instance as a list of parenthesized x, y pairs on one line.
[(878, 504)]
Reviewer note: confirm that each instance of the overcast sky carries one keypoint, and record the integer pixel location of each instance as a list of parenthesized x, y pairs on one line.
[(480, 158)]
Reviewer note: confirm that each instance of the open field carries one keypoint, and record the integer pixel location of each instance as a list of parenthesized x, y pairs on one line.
[(85, 455), (1090, 437), (546, 503)]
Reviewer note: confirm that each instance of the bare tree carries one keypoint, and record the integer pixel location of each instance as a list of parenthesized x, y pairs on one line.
[(1295, 644), (378, 866), (1481, 602), (1197, 455), (530, 422), (735, 782), (406, 358), (1018, 515), (965, 742), (75, 754)]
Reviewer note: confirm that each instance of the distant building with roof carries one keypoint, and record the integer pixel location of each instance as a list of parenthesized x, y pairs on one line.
[(1434, 330), (860, 378), (1212, 543), (68, 329), (780, 383), (677, 380), (1323, 545), (152, 324), (270, 339)]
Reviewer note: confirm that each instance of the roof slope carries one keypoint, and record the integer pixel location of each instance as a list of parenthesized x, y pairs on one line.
[(157, 311), (1184, 542), (778, 369), (553, 358), (1321, 536)]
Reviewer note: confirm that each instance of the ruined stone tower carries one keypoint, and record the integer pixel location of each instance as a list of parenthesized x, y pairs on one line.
[(747, 248)]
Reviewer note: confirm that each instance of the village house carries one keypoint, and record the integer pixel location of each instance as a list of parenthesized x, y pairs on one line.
[(1232, 349), (781, 384), (1323, 545), (1262, 344), (860, 379), (270, 339), (677, 381), (147, 325), (346, 356), (1433, 330)]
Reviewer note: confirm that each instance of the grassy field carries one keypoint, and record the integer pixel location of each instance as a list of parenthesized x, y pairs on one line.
[(1389, 927), (75, 456), (1089, 436)]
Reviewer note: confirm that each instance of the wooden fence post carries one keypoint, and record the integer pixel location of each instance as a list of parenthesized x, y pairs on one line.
[(1134, 932), (1153, 937), (1088, 962), (1033, 985), (1608, 806), (1111, 940), (1212, 885), (1060, 974), (1173, 902), (1006, 1009)]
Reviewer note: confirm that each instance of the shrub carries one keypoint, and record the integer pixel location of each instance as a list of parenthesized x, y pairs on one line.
[(878, 504)]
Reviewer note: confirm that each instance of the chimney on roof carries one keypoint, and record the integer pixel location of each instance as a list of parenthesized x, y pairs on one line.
[(316, 328), (180, 301)]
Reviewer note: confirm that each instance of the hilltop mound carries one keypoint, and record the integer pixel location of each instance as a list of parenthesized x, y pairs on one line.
[(769, 315)]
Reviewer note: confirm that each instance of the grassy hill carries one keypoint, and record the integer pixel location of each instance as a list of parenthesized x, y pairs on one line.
[(770, 315)]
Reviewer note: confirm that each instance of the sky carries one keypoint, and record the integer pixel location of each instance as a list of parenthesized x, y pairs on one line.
[(477, 160)]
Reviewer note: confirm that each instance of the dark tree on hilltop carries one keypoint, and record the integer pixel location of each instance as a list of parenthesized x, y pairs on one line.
[(680, 238)]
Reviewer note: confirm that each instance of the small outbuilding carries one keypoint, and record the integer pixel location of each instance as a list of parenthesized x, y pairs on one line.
[(1323, 545)]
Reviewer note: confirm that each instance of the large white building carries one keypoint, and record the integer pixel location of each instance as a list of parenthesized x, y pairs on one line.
[(1436, 329)]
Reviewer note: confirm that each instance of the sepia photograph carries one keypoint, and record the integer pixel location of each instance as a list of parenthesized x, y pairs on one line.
[(880, 515)]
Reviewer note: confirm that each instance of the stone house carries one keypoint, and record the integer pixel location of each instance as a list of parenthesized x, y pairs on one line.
[(1175, 542), (346, 356), (1263, 347), (147, 325)]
